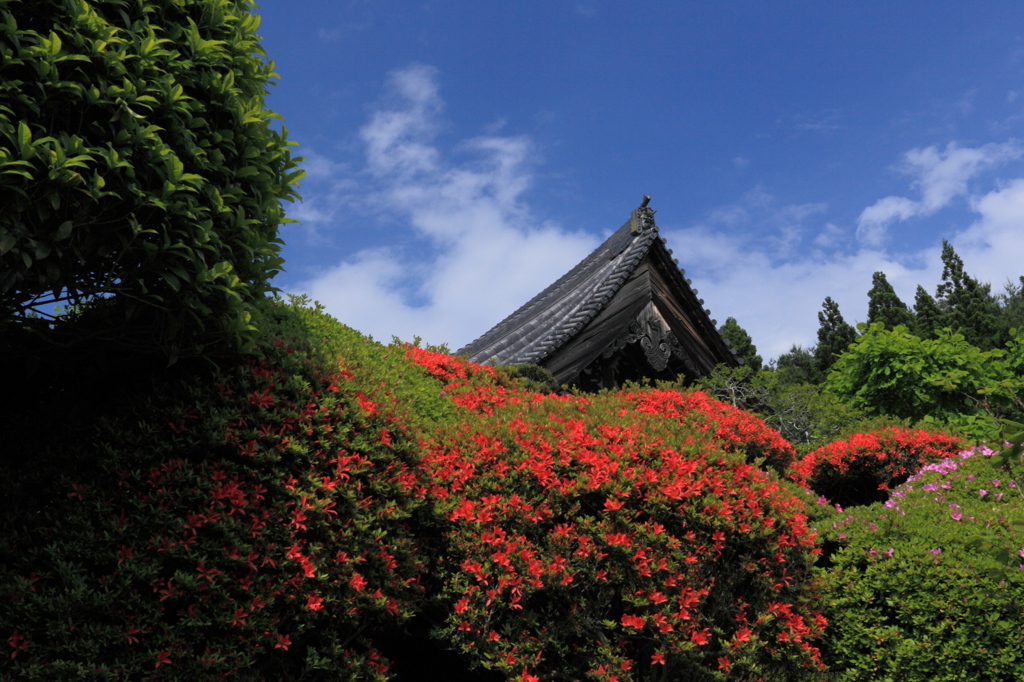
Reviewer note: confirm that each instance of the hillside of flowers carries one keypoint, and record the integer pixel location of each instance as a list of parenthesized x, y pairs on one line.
[(333, 508)]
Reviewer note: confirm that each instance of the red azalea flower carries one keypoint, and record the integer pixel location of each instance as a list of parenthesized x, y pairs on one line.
[(700, 637), (632, 621)]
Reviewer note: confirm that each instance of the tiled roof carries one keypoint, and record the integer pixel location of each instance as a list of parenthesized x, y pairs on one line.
[(555, 315)]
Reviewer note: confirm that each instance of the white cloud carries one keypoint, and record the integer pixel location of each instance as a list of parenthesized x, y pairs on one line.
[(455, 246), (993, 247), (463, 248), (399, 140), (740, 274), (940, 175), (777, 301), (585, 10)]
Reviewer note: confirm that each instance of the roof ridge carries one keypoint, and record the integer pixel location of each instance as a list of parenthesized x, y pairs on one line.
[(607, 246), (593, 305)]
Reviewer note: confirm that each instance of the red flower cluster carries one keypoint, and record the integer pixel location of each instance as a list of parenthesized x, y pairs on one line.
[(616, 532), (296, 507), (733, 428), (861, 469), (265, 523)]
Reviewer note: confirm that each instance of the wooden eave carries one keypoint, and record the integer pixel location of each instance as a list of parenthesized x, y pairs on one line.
[(581, 315)]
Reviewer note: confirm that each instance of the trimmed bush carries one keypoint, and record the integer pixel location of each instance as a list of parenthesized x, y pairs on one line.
[(308, 514), (862, 469), (929, 585), (250, 525), (614, 537), (732, 428)]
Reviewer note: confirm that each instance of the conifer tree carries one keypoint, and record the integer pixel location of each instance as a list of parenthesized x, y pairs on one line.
[(885, 306), (1011, 303), (834, 336), (969, 305), (741, 343), (927, 315)]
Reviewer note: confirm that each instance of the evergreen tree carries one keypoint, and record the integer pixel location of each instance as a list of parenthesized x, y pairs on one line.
[(969, 305), (834, 336), (927, 315), (1011, 303), (796, 367), (741, 343), (885, 306)]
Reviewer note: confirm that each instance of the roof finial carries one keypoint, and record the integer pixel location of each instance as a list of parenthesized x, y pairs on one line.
[(647, 200)]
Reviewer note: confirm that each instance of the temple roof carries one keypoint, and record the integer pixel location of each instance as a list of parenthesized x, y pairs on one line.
[(630, 276)]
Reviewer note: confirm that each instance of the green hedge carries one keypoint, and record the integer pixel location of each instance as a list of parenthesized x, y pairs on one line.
[(930, 584)]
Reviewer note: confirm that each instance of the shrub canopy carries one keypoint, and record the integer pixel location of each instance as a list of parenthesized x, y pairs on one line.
[(940, 380), (286, 517), (927, 586), (139, 172)]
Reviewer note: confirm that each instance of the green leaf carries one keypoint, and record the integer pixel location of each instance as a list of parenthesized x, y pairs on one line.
[(25, 141), (7, 241), (64, 231), (55, 44)]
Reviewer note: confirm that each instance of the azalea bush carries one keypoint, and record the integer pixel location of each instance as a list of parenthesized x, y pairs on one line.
[(250, 526), (928, 585), (311, 512), (861, 469), (282, 516), (733, 428), (617, 537)]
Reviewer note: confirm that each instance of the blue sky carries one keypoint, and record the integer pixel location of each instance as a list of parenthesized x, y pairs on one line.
[(461, 156)]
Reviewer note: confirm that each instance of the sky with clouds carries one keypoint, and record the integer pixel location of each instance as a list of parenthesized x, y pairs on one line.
[(461, 156)]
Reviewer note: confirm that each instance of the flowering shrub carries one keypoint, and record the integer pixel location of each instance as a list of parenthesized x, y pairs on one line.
[(733, 429), (616, 537), (863, 468), (282, 517), (913, 594), (249, 527)]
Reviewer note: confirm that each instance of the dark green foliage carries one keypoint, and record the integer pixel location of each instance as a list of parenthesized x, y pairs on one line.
[(533, 377), (968, 305), (928, 316), (140, 177), (246, 521), (1011, 302), (741, 343), (834, 336), (797, 367), (885, 306)]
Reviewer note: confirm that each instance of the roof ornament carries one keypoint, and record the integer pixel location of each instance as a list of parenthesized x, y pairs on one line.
[(642, 218)]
